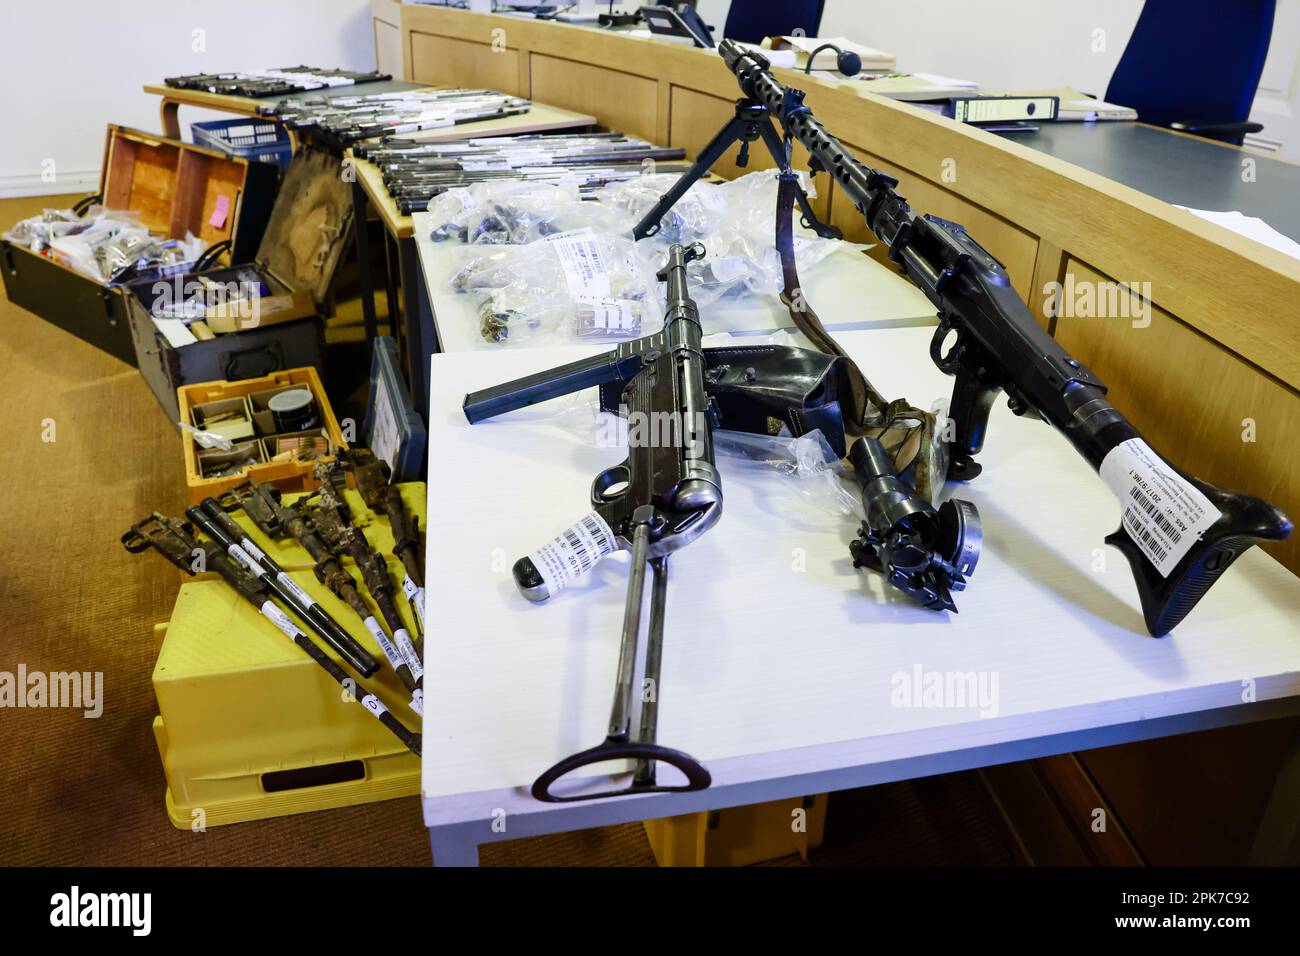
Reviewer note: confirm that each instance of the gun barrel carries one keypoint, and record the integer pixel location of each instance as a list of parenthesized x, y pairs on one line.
[(229, 535)]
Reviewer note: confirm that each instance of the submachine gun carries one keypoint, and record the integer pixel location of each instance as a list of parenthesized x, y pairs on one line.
[(663, 497), (1178, 533)]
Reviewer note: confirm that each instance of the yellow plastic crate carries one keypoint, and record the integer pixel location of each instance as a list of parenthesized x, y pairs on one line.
[(739, 836), (249, 727)]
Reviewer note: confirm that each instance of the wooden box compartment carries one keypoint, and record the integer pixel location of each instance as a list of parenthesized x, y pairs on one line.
[(173, 188), (296, 261), (289, 476)]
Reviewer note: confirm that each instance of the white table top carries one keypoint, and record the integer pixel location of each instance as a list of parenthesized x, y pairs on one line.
[(779, 657), (848, 289)]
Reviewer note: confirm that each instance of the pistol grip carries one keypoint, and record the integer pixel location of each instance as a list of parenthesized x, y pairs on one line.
[(972, 400)]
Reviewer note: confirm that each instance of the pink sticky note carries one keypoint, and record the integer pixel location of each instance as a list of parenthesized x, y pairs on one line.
[(219, 213)]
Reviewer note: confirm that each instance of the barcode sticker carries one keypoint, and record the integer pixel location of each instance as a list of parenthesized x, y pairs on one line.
[(390, 650), (407, 650), (252, 549), (584, 266), (292, 587), (570, 555), (416, 596), (240, 555), (280, 619), (1163, 513), (608, 316)]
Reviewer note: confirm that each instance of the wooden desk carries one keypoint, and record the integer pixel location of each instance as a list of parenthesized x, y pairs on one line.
[(1181, 169), (785, 683), (1213, 377), (419, 338)]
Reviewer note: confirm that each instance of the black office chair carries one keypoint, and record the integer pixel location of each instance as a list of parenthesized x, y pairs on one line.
[(1194, 65), (751, 20)]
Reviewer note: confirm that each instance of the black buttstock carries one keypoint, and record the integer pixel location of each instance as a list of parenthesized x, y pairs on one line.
[(1245, 522)]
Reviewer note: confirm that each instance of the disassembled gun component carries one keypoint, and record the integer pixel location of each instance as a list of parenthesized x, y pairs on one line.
[(925, 552)]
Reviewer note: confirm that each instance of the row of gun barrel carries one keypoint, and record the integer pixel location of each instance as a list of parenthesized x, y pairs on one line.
[(322, 523)]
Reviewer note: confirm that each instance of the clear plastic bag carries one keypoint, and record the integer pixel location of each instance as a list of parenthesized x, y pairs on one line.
[(526, 293), (696, 215), (36, 232), (577, 284), (736, 222), (814, 470), (516, 212), (106, 244)]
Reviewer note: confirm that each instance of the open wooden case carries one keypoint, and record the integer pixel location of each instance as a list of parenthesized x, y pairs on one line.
[(294, 264), (173, 188)]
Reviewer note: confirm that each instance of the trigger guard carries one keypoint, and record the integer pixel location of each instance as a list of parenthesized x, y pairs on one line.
[(606, 480), (135, 542), (947, 364)]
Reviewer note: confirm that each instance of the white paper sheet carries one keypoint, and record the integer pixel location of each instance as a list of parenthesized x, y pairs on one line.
[(1251, 227)]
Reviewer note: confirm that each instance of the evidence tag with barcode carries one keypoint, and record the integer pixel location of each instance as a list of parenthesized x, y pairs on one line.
[(280, 619), (391, 652), (295, 589), (373, 704), (1163, 512), (584, 267), (407, 650), (574, 552), (252, 549), (242, 556), (415, 595)]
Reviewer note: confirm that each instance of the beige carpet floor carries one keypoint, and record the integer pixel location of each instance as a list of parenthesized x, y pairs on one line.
[(80, 791)]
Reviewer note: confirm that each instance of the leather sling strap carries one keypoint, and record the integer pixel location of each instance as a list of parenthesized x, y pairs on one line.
[(865, 400), (901, 428)]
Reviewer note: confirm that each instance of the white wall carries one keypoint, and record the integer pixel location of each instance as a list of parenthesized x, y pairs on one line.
[(1003, 44), (70, 67)]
